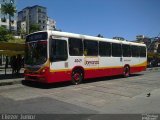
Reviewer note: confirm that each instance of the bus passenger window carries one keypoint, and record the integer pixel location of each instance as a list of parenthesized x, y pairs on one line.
[(135, 51), (90, 48), (59, 50), (104, 49), (126, 50), (142, 51), (116, 50), (75, 47)]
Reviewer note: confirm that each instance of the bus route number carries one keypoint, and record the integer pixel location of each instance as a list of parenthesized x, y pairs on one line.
[(78, 60)]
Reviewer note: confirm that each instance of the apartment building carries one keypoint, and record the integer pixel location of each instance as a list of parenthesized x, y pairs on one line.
[(34, 15)]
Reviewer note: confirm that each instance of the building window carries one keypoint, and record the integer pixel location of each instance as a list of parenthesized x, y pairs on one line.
[(3, 19), (116, 50), (90, 48), (75, 47), (12, 28), (39, 10), (12, 22), (104, 49)]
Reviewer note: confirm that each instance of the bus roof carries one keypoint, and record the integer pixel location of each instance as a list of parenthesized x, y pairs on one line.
[(87, 37)]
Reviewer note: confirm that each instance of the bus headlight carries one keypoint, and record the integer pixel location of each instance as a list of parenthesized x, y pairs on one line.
[(44, 70)]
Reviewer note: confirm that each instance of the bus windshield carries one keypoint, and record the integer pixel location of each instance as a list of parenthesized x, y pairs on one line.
[(36, 53), (36, 49)]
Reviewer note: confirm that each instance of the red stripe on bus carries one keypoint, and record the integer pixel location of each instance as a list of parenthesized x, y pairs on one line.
[(60, 76)]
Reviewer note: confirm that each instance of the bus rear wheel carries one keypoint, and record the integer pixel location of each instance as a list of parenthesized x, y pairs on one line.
[(77, 77), (126, 71)]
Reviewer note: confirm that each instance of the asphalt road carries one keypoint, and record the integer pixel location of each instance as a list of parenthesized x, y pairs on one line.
[(111, 95)]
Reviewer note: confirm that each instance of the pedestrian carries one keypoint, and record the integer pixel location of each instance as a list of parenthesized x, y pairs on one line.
[(6, 64), (18, 64), (13, 64)]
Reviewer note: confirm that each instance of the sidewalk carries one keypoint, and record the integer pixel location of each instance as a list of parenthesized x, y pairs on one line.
[(10, 79)]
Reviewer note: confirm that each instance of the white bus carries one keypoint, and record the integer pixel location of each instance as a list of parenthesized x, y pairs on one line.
[(53, 56)]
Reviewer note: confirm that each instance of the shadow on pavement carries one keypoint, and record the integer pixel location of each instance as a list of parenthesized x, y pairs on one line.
[(10, 76), (44, 85), (109, 78), (65, 84)]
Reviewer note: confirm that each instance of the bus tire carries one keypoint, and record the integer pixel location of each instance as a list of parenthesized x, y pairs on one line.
[(77, 76), (126, 71)]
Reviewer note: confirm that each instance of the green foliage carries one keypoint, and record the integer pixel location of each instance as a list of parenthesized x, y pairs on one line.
[(8, 9), (99, 35), (16, 40), (22, 33), (4, 34), (153, 55), (34, 28)]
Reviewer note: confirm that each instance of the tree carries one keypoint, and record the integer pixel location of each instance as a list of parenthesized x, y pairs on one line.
[(4, 35), (22, 33), (34, 28), (99, 35), (8, 9)]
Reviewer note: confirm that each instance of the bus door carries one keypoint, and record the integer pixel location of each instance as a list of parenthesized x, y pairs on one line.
[(58, 56)]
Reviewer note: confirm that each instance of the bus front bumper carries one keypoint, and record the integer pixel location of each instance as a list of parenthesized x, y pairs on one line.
[(37, 78)]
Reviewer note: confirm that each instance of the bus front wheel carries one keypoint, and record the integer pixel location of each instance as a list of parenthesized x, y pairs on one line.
[(77, 76)]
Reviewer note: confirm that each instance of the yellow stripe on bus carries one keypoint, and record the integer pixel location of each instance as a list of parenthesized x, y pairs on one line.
[(93, 68)]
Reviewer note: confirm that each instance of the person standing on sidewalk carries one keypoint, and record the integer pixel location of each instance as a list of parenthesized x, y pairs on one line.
[(6, 64), (13, 64), (18, 63)]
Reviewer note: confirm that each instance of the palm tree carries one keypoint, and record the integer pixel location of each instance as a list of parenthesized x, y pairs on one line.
[(8, 9)]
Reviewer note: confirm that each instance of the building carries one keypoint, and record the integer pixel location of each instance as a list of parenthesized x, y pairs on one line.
[(143, 39), (4, 19), (153, 44), (34, 15), (154, 47), (51, 24)]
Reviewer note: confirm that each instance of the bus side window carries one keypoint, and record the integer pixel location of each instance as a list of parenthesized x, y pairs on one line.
[(104, 49), (142, 51), (116, 50), (126, 50), (85, 52), (59, 50), (90, 48), (75, 47), (135, 51)]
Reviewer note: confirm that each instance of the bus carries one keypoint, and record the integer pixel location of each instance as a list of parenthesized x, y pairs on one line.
[(54, 56)]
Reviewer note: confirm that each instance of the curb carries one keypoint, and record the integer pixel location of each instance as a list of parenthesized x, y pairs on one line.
[(153, 69)]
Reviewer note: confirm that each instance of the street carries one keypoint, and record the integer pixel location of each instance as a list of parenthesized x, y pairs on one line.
[(137, 94)]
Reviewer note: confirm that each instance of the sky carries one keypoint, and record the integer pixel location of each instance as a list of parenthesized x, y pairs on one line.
[(110, 18)]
